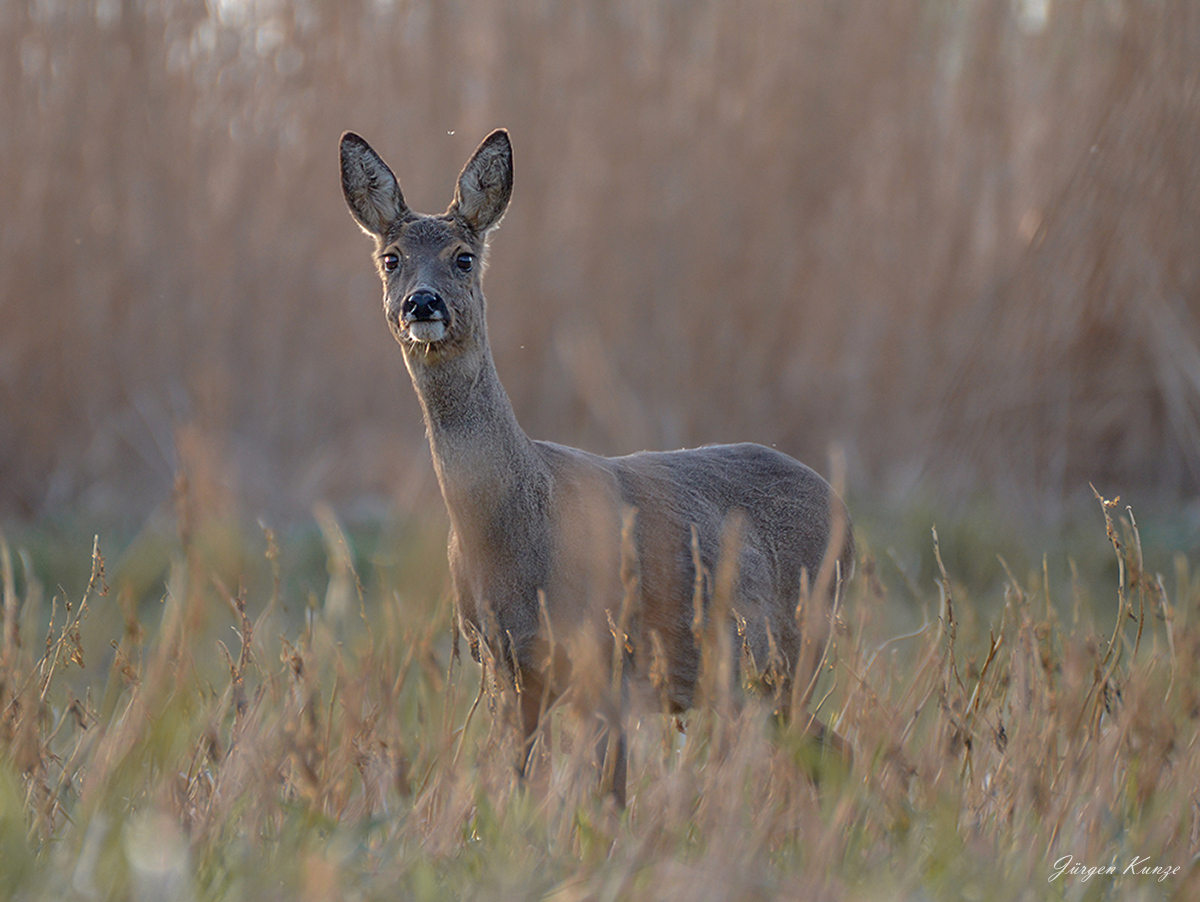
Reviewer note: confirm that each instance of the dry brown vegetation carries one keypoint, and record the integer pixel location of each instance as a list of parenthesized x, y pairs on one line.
[(959, 239), (274, 730)]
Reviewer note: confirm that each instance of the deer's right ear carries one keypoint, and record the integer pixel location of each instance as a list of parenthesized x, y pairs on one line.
[(372, 191)]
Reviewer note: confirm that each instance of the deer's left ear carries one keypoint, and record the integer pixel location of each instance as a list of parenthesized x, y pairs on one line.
[(485, 184)]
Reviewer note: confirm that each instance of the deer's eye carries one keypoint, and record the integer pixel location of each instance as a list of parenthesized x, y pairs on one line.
[(465, 262), (391, 262)]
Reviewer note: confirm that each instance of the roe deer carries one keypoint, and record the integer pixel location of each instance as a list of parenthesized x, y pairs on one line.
[(536, 544)]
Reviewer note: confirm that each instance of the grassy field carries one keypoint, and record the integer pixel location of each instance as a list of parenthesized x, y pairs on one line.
[(216, 714), (956, 238)]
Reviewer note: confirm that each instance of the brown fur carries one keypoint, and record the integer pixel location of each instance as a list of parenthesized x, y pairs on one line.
[(530, 517)]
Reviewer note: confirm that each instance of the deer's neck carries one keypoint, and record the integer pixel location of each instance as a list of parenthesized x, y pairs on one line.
[(482, 458)]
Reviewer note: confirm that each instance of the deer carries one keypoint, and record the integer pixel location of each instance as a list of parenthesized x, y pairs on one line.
[(567, 568)]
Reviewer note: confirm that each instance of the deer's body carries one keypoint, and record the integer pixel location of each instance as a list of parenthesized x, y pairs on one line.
[(536, 527)]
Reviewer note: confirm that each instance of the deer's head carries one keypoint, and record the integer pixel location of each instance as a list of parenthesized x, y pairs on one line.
[(431, 266)]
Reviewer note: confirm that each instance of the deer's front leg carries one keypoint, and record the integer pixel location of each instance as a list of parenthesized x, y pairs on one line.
[(612, 743), (532, 703)]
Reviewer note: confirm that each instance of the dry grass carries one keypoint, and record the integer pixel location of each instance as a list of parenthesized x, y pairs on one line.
[(955, 237), (254, 731)]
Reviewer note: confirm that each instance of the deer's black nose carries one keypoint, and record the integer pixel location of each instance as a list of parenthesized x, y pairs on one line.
[(423, 305)]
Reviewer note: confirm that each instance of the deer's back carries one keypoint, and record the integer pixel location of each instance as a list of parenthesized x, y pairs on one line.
[(786, 505), (787, 514)]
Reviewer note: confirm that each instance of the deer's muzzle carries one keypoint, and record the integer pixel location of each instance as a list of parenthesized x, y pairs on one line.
[(424, 315)]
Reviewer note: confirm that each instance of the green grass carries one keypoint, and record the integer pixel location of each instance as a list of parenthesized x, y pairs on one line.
[(233, 714)]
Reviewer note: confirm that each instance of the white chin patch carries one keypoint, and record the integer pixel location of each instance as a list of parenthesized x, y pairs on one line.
[(427, 331)]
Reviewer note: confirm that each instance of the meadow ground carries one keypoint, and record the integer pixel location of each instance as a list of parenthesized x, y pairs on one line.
[(211, 713)]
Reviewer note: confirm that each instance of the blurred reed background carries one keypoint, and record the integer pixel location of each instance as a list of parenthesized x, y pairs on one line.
[(959, 240)]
